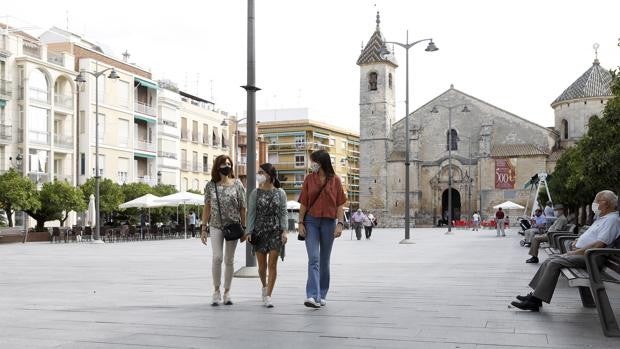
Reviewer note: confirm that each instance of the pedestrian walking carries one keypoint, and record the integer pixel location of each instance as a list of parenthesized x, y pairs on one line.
[(499, 222), (225, 208), (191, 219), (476, 218), (267, 218), (369, 223), (358, 221), (321, 221)]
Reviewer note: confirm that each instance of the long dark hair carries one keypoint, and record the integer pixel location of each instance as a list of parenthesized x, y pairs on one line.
[(322, 158), (215, 170), (272, 172)]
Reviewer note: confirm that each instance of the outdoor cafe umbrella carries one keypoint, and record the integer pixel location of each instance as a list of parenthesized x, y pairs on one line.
[(508, 205), (182, 198), (91, 214), (145, 201)]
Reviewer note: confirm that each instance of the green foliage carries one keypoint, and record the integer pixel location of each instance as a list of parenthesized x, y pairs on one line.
[(110, 194), (17, 193), (56, 199)]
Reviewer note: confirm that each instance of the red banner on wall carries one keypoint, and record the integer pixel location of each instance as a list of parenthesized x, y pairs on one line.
[(505, 174)]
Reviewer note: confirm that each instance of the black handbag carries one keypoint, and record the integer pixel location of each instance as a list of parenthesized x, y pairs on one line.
[(233, 231), (302, 238)]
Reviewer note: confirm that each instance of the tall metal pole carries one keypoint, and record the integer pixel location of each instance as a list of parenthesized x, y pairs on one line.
[(97, 236), (250, 269), (407, 163), (470, 180), (449, 170)]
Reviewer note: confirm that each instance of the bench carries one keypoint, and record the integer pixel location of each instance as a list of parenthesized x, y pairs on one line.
[(602, 268), (554, 238)]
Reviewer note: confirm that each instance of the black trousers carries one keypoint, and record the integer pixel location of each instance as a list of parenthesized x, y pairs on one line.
[(368, 231)]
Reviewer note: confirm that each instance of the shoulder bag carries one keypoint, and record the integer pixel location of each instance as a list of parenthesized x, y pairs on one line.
[(233, 231)]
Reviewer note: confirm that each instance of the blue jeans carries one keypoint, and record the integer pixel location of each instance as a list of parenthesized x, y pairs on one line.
[(319, 242)]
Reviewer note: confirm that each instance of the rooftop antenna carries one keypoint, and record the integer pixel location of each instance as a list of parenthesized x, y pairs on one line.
[(126, 56), (595, 47)]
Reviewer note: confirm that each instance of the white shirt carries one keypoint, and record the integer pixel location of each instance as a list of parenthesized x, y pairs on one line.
[(476, 217), (606, 229)]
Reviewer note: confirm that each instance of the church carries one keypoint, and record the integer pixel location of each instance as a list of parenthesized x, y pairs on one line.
[(493, 151)]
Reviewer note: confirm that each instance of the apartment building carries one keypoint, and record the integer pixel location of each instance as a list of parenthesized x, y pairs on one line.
[(290, 143), (204, 136), (169, 135), (127, 127), (37, 108)]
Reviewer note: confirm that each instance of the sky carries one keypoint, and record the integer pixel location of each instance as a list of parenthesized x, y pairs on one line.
[(516, 55)]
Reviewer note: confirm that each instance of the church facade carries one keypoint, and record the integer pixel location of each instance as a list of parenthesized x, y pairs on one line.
[(494, 152)]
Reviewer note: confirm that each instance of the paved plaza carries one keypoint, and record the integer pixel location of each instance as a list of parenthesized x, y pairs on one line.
[(445, 291)]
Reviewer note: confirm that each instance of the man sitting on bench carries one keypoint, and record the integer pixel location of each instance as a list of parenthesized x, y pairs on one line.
[(604, 231), (559, 224), (538, 226)]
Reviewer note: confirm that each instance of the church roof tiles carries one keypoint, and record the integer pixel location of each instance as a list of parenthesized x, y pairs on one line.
[(373, 52), (515, 150), (595, 82)]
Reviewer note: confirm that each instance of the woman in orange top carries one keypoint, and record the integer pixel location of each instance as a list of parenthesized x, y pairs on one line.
[(322, 215)]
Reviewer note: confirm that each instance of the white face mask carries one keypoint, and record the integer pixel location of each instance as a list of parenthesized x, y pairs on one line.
[(314, 167), (260, 178), (595, 207)]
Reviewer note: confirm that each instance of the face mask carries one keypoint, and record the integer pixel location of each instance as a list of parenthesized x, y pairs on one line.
[(260, 178), (225, 170), (314, 167), (595, 208)]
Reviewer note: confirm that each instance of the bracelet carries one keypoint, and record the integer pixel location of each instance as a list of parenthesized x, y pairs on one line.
[(340, 222)]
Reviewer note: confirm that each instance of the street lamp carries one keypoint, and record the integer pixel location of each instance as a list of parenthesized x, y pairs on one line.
[(384, 51), (469, 179), (18, 161), (81, 80), (435, 111)]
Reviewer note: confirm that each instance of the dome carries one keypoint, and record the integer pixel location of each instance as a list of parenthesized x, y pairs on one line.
[(595, 82)]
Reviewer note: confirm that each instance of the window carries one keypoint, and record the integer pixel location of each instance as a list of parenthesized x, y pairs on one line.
[(196, 184), (101, 127), (452, 135), (38, 86), (123, 169), (37, 161), (82, 164), (123, 132), (333, 159), (205, 134), (205, 163), (300, 160), (372, 81), (300, 142), (38, 125), (184, 184), (332, 142), (101, 164), (344, 144), (82, 121), (123, 93), (390, 80), (564, 129)]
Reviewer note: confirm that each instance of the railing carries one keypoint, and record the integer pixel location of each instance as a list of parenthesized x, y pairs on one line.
[(142, 144), (6, 133), (146, 179), (186, 165), (38, 177), (56, 58), (63, 100), (195, 137), (5, 88), (63, 177), (62, 140), (39, 137), (165, 122), (205, 168), (39, 94), (205, 139), (196, 167), (294, 185), (165, 154), (144, 108), (184, 134), (31, 49)]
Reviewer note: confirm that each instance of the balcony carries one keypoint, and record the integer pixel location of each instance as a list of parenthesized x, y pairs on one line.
[(205, 140), (165, 154), (38, 177), (184, 134), (150, 180), (64, 141), (40, 95), (196, 167), (6, 132), (292, 185), (5, 89), (195, 137), (31, 49), (143, 108), (65, 101), (186, 165), (144, 145), (63, 177), (39, 137), (56, 58)]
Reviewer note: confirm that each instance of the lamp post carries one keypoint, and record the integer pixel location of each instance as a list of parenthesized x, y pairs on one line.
[(384, 51), (18, 161), (469, 179), (435, 111), (81, 79)]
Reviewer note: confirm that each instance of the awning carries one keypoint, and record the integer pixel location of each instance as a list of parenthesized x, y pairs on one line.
[(147, 84), (2, 103), (144, 118), (143, 155)]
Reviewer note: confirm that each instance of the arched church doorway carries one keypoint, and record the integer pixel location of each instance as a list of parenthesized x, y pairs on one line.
[(456, 205)]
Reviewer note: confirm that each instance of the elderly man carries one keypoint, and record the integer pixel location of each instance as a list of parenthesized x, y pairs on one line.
[(559, 224), (358, 218), (549, 215), (538, 226), (603, 232)]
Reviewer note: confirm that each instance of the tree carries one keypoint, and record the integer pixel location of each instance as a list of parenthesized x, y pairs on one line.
[(56, 200), (16, 193), (110, 194)]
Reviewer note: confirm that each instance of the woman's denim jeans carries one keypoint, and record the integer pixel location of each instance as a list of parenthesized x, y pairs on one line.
[(319, 241)]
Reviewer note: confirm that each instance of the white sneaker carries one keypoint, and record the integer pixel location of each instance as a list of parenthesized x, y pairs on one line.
[(227, 300), (311, 303), (323, 302), (264, 293), (217, 298), (268, 302)]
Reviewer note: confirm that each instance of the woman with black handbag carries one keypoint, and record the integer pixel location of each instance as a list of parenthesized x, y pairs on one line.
[(267, 218), (225, 210), (321, 220)]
